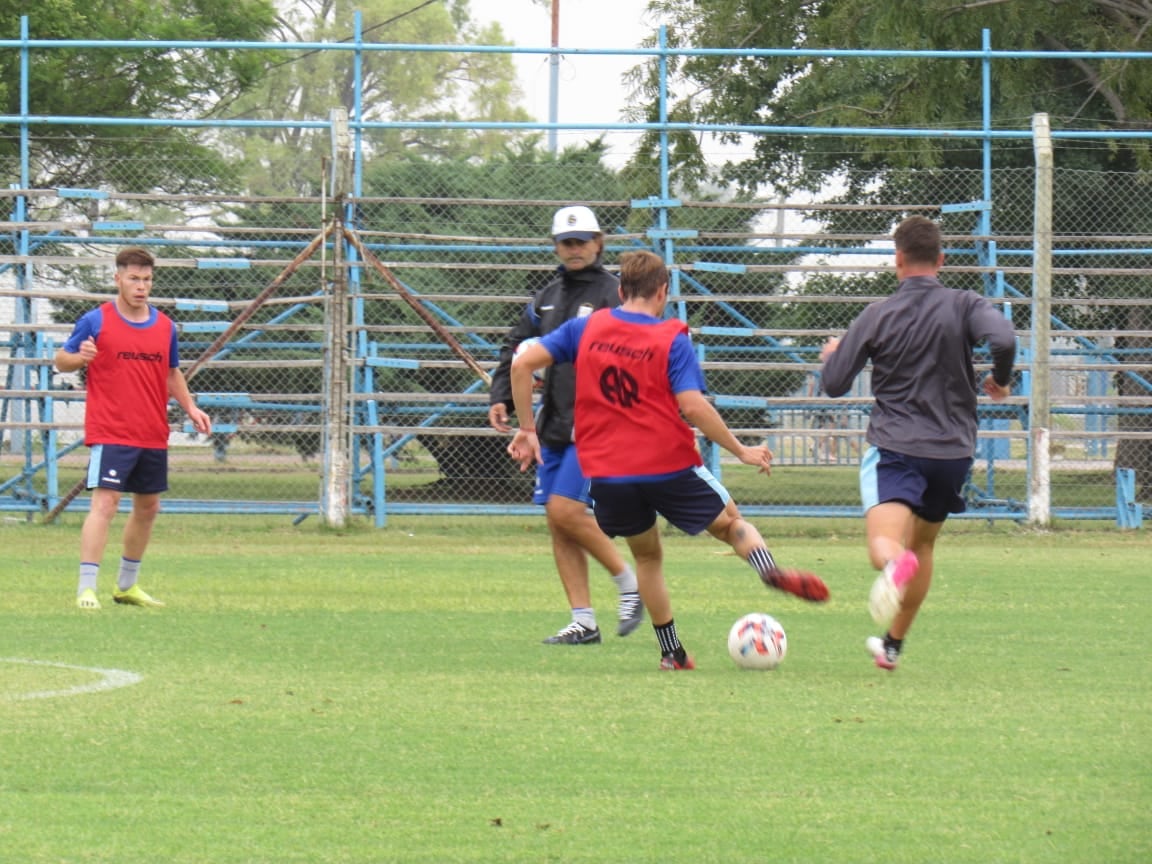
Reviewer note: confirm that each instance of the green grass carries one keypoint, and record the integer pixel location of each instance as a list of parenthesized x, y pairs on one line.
[(381, 696)]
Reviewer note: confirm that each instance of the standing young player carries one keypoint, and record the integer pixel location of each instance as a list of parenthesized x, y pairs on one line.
[(923, 426), (580, 287), (635, 374), (133, 361)]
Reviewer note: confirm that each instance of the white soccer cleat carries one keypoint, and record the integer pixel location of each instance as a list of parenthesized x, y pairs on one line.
[(883, 657), (883, 599), (888, 589)]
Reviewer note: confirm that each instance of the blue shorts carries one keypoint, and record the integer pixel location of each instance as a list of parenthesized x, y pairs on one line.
[(140, 470), (691, 500), (560, 475), (930, 487)]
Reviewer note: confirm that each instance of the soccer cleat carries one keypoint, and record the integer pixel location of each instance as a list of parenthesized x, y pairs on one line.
[(87, 600), (668, 663), (135, 596), (805, 585), (888, 590), (575, 634), (884, 656), (630, 613)]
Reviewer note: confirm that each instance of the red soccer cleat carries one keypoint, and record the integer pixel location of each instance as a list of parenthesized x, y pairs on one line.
[(801, 583), (669, 663)]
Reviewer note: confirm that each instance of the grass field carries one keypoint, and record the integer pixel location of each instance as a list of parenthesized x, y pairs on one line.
[(381, 696)]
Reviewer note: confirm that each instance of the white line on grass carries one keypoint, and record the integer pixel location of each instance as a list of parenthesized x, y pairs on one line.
[(109, 679)]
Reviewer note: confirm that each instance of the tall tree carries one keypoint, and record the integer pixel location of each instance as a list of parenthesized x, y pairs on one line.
[(153, 83), (409, 85), (905, 92), (1111, 93)]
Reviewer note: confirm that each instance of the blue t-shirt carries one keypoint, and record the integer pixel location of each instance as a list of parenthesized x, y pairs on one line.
[(684, 372), (89, 325)]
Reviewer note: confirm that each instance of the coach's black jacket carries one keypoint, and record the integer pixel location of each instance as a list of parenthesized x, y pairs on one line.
[(567, 295)]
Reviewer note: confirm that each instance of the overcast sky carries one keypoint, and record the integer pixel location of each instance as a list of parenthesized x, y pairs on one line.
[(590, 88)]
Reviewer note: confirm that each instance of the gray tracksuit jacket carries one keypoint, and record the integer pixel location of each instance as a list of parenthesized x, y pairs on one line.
[(920, 341)]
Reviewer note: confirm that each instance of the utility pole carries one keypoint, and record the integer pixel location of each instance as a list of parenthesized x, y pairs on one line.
[(554, 80)]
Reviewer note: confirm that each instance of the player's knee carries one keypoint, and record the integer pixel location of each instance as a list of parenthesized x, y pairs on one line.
[(564, 513)]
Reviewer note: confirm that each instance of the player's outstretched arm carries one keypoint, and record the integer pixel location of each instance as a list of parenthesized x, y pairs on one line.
[(525, 445), (700, 413)]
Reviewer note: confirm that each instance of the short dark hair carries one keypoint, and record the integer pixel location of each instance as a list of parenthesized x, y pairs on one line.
[(641, 274), (918, 237), (134, 256)]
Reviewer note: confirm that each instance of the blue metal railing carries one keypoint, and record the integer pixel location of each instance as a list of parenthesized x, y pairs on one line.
[(667, 241)]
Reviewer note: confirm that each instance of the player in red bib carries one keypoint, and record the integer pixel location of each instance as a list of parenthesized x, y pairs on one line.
[(637, 380), (131, 353)]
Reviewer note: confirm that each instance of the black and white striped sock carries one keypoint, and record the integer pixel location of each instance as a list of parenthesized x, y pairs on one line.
[(762, 561), (666, 636)]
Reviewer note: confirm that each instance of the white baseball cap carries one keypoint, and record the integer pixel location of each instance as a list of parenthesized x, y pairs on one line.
[(575, 223)]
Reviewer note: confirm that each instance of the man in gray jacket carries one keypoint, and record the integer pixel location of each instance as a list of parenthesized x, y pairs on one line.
[(580, 287), (922, 429)]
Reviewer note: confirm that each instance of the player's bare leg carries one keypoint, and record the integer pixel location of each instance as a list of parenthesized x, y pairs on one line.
[(572, 565), (924, 545), (901, 545), (575, 536), (93, 539), (649, 556), (567, 523), (137, 534), (648, 553), (138, 528), (94, 532), (889, 527), (731, 528)]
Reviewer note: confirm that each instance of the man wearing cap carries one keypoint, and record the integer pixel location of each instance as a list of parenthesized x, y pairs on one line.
[(580, 287)]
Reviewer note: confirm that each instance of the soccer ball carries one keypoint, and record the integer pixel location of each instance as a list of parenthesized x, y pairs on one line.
[(757, 641), (884, 600)]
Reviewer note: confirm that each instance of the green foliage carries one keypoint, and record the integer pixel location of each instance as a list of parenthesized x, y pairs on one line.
[(121, 82), (905, 92), (408, 85), (453, 200)]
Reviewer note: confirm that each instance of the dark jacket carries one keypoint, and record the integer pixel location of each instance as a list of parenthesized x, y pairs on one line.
[(920, 341), (567, 295)]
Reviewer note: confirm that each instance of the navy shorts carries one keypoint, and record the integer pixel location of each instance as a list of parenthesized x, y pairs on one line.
[(930, 487), (560, 475), (691, 500), (140, 470)]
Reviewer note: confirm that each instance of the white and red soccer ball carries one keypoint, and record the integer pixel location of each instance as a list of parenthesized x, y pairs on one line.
[(757, 641)]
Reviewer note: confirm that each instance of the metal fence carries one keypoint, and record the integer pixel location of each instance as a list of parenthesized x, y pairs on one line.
[(341, 341)]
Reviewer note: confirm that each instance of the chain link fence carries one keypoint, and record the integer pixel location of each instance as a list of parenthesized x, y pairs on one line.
[(439, 259)]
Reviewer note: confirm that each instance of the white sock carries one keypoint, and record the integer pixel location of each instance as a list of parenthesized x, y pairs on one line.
[(626, 581), (89, 573), (129, 571), (585, 617)]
